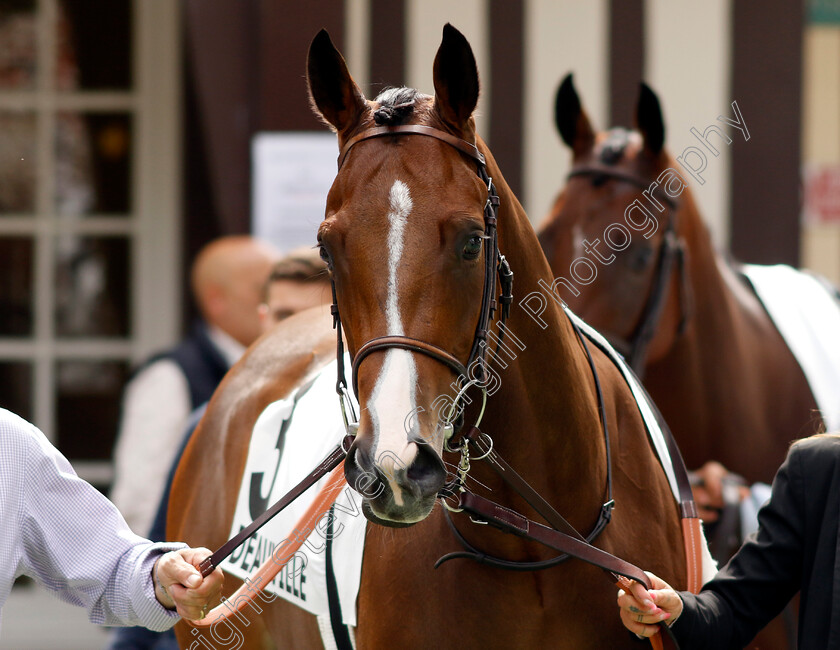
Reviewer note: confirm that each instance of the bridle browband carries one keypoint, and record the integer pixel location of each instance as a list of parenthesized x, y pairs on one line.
[(671, 255), (494, 263), (418, 129)]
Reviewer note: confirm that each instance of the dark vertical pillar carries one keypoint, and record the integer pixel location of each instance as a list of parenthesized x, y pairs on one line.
[(245, 71), (220, 76), (284, 30), (767, 85), (507, 24), (387, 45), (627, 55)]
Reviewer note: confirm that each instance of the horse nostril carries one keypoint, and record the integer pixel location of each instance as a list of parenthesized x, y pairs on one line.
[(427, 472), (359, 472)]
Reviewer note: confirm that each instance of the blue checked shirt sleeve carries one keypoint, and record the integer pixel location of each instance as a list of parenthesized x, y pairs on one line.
[(76, 543)]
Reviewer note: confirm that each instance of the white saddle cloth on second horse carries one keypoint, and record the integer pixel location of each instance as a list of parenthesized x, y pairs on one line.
[(807, 314)]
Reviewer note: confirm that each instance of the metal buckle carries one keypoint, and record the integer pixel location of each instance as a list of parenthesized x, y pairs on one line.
[(488, 445), (448, 421), (450, 508), (351, 424), (460, 474)]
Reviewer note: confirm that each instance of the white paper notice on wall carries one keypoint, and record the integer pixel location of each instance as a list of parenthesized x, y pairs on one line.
[(292, 173)]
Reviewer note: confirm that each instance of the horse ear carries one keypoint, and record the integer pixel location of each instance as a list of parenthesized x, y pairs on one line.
[(649, 119), (456, 78), (333, 93), (571, 120)]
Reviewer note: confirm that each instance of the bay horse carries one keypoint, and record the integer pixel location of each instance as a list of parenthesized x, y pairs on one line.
[(714, 363), (406, 240), (711, 358)]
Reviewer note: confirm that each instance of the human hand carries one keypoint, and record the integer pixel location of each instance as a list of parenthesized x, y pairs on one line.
[(641, 610), (179, 585)]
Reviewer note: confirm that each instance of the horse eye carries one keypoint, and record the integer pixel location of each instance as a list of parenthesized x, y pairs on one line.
[(322, 251), (473, 247), (640, 258)]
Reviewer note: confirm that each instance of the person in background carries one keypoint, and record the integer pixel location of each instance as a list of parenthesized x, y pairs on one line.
[(794, 549), (295, 283), (64, 533), (227, 277)]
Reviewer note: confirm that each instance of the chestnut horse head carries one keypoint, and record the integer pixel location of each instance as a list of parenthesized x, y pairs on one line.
[(617, 223), (407, 243)]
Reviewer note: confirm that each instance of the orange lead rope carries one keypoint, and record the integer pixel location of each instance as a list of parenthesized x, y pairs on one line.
[(284, 552), (693, 537)]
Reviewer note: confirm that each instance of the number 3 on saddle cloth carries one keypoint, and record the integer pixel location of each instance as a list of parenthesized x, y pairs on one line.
[(290, 437)]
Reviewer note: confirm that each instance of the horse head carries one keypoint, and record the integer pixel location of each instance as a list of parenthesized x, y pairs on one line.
[(404, 237), (616, 226)]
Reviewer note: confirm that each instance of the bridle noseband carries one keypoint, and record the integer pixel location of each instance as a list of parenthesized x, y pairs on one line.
[(494, 264), (671, 256)]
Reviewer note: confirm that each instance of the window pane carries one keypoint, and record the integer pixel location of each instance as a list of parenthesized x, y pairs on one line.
[(92, 287), (16, 291), (18, 48), (93, 163), (18, 144), (94, 45), (16, 387), (88, 406)]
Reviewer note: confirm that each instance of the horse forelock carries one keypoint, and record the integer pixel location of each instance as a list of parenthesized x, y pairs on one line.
[(614, 146), (402, 105), (395, 105)]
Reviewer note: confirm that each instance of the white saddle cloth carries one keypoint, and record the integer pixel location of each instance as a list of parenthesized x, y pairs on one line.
[(290, 438), (808, 317)]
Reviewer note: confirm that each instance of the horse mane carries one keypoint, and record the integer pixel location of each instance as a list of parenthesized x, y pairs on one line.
[(395, 105)]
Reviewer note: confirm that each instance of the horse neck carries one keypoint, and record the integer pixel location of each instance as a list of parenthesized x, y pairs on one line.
[(544, 417), (715, 289)]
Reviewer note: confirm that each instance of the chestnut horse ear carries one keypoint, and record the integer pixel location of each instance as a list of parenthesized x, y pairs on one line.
[(456, 78), (334, 94), (571, 120), (649, 119)]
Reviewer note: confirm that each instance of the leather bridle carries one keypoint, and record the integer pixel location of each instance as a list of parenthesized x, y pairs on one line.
[(494, 264), (477, 506), (671, 256)]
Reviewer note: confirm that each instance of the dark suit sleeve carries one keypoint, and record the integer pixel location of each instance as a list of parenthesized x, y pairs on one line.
[(759, 580)]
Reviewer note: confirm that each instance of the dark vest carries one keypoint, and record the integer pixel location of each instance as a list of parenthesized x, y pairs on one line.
[(200, 361)]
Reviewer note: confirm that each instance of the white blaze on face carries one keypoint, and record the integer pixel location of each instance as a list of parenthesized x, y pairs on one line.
[(578, 236), (394, 394)]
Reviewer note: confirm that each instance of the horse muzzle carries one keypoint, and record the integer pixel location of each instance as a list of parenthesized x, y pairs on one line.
[(397, 491)]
